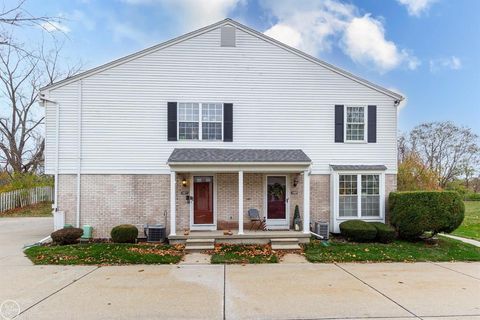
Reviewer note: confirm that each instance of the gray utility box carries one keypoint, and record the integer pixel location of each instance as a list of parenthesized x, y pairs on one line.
[(321, 228), (155, 232)]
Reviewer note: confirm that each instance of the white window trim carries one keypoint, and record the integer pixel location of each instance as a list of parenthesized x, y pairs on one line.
[(200, 122), (365, 123), (336, 196)]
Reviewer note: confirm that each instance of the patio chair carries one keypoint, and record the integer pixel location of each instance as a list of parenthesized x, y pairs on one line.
[(255, 219)]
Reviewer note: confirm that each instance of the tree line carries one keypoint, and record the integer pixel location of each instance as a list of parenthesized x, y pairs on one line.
[(439, 155)]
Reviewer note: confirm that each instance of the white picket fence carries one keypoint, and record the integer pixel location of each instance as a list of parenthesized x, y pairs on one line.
[(24, 197)]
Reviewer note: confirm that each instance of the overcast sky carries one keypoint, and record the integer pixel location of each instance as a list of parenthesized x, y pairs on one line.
[(427, 50)]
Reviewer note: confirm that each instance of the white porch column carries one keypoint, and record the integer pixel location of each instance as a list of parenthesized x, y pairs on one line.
[(306, 201), (173, 180), (240, 202)]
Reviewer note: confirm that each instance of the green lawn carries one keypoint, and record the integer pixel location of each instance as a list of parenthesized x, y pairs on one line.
[(227, 253), (398, 251), (470, 227), (105, 254), (42, 209)]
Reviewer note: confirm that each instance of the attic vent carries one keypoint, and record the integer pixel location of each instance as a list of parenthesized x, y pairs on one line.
[(227, 36)]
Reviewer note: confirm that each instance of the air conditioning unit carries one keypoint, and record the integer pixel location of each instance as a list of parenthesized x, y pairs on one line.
[(321, 228), (155, 232)]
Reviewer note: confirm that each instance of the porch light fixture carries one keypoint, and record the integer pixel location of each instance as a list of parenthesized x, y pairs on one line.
[(184, 182), (295, 181)]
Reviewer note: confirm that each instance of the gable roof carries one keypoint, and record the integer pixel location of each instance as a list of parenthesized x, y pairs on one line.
[(208, 28)]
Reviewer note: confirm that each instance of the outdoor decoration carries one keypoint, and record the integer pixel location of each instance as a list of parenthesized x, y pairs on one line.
[(297, 221)]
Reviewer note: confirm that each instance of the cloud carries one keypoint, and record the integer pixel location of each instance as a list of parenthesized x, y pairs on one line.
[(81, 18), (53, 26), (417, 7), (315, 27), (365, 43), (194, 13), (452, 63)]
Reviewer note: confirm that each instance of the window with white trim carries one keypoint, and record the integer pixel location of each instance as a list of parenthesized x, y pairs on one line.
[(355, 123), (200, 121), (359, 195)]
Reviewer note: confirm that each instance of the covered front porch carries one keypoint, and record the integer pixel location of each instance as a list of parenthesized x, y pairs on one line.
[(213, 190)]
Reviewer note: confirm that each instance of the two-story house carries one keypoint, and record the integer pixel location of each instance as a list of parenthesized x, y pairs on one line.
[(194, 132)]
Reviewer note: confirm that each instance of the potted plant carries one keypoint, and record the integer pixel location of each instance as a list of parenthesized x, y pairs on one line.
[(297, 221)]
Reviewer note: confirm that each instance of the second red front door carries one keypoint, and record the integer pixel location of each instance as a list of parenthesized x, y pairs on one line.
[(203, 200)]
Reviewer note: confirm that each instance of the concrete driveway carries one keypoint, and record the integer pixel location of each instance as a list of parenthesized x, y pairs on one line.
[(284, 291)]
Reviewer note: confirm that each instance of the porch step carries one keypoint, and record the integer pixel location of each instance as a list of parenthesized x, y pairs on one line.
[(198, 244), (285, 244)]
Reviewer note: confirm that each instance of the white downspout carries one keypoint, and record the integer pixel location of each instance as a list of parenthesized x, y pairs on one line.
[(79, 152)]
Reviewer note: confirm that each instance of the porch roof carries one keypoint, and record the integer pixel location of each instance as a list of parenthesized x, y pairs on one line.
[(211, 155)]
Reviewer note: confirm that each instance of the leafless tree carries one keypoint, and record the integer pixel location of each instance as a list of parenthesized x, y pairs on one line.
[(446, 149), (15, 15), (21, 75)]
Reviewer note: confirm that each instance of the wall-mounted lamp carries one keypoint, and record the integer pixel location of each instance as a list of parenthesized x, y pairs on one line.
[(184, 182), (295, 181)]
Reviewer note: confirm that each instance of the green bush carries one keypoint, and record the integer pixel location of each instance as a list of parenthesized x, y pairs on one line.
[(417, 212), (472, 196), (385, 233), (66, 235), (124, 233), (358, 230)]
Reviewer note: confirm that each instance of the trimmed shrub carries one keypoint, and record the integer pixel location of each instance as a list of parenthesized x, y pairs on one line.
[(385, 233), (67, 235), (358, 230), (124, 233), (417, 212)]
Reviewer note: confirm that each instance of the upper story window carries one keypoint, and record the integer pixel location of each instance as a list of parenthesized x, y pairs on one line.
[(355, 123), (200, 121)]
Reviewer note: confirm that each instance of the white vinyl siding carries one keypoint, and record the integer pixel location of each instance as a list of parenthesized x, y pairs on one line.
[(280, 100)]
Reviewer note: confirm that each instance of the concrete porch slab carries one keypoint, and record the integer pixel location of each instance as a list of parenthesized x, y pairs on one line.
[(425, 289), (307, 291), (139, 292)]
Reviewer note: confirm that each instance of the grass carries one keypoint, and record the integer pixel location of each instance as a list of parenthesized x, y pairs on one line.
[(242, 254), (105, 254), (470, 227), (398, 251), (42, 209)]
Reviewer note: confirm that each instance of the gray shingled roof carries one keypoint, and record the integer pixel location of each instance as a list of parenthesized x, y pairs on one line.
[(237, 155), (348, 167)]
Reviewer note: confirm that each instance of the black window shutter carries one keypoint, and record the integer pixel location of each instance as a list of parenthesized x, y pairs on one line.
[(172, 121), (228, 122), (372, 123), (339, 123)]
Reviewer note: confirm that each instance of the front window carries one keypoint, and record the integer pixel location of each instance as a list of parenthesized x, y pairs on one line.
[(192, 126), (355, 128), (359, 195)]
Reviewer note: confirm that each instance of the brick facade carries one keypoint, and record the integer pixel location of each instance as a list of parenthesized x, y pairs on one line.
[(109, 200)]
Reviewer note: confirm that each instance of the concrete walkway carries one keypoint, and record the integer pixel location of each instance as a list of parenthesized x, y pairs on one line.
[(466, 240), (196, 291)]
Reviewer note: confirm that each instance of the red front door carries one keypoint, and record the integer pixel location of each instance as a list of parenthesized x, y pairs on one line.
[(203, 200)]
